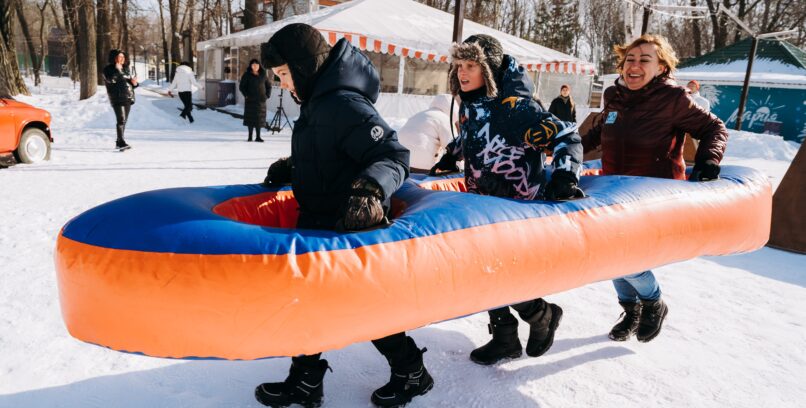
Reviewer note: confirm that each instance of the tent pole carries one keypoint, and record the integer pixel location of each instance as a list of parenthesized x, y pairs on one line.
[(458, 20), (400, 70)]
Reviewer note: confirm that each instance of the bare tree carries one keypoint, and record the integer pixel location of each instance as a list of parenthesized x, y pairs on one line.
[(11, 82), (173, 15), (124, 26), (36, 64), (103, 37), (250, 15), (87, 68)]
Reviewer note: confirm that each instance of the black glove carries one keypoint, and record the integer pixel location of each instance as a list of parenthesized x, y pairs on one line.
[(705, 171), (364, 207), (563, 186), (279, 172), (447, 163)]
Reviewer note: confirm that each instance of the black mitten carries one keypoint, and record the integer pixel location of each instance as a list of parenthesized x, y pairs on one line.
[(705, 171), (279, 172), (563, 186), (364, 207), (447, 163)]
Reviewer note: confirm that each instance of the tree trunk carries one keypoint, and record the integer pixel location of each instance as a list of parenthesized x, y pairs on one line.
[(41, 56), (29, 42), (250, 13), (124, 26), (173, 11), (103, 37), (11, 82), (70, 22), (88, 71), (696, 33), (166, 66), (192, 6)]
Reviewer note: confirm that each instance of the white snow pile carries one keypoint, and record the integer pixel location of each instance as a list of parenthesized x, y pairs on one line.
[(735, 335), (747, 145)]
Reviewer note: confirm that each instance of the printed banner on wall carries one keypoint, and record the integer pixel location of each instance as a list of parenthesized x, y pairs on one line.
[(776, 111)]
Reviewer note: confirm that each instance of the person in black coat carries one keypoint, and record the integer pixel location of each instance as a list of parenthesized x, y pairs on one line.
[(563, 106), (120, 86), (256, 88), (345, 164)]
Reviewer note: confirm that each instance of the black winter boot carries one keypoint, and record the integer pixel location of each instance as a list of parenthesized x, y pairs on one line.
[(542, 324), (408, 380), (504, 344), (652, 315), (303, 386), (628, 324)]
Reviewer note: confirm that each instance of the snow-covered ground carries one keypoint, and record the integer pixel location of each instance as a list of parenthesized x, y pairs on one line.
[(735, 335)]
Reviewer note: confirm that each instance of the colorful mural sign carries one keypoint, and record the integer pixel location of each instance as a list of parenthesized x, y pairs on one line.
[(778, 111)]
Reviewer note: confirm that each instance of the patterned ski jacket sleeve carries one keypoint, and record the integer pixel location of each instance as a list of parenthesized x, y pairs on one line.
[(544, 131)]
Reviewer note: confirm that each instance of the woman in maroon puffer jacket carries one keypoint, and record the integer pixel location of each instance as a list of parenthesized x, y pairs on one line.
[(641, 132)]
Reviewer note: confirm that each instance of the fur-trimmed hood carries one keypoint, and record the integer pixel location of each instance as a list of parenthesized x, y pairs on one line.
[(471, 52)]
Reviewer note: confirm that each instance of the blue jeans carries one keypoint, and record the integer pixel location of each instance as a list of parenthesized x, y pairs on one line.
[(640, 286)]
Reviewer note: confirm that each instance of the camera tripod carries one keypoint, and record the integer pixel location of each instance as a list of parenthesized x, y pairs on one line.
[(276, 124)]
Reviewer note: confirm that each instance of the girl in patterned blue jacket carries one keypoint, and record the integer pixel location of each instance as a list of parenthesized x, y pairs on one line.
[(502, 139)]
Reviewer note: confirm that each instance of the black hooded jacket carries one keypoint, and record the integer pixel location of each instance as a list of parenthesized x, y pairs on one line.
[(118, 82), (340, 137)]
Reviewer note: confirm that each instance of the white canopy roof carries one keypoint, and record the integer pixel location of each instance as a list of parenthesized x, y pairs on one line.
[(407, 28)]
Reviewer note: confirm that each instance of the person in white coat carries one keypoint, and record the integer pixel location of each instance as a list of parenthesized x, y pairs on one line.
[(428, 132), (185, 83), (694, 91)]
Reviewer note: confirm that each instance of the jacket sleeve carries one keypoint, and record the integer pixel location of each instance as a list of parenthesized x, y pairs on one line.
[(703, 126), (544, 131), (553, 107), (112, 75), (174, 83), (369, 140), (242, 85)]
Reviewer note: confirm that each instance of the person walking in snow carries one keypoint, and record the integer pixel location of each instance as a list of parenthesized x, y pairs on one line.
[(120, 86), (345, 164), (503, 133), (185, 83), (641, 132), (694, 90), (563, 106), (427, 133), (255, 87)]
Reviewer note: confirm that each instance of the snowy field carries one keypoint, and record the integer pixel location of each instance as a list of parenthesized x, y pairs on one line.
[(735, 335)]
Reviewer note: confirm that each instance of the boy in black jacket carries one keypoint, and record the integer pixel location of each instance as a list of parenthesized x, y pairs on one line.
[(345, 164)]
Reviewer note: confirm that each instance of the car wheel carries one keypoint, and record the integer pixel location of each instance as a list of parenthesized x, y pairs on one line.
[(34, 146)]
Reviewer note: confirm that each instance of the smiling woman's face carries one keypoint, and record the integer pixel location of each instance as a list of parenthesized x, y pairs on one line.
[(641, 65)]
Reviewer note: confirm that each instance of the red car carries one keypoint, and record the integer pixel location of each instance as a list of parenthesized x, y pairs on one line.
[(24, 131)]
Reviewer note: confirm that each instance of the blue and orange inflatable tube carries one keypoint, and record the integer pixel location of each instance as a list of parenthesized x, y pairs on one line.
[(219, 272)]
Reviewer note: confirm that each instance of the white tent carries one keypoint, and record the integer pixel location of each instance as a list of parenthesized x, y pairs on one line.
[(408, 43), (404, 28)]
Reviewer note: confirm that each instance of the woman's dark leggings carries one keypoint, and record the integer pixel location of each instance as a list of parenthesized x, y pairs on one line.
[(121, 114), (257, 132)]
